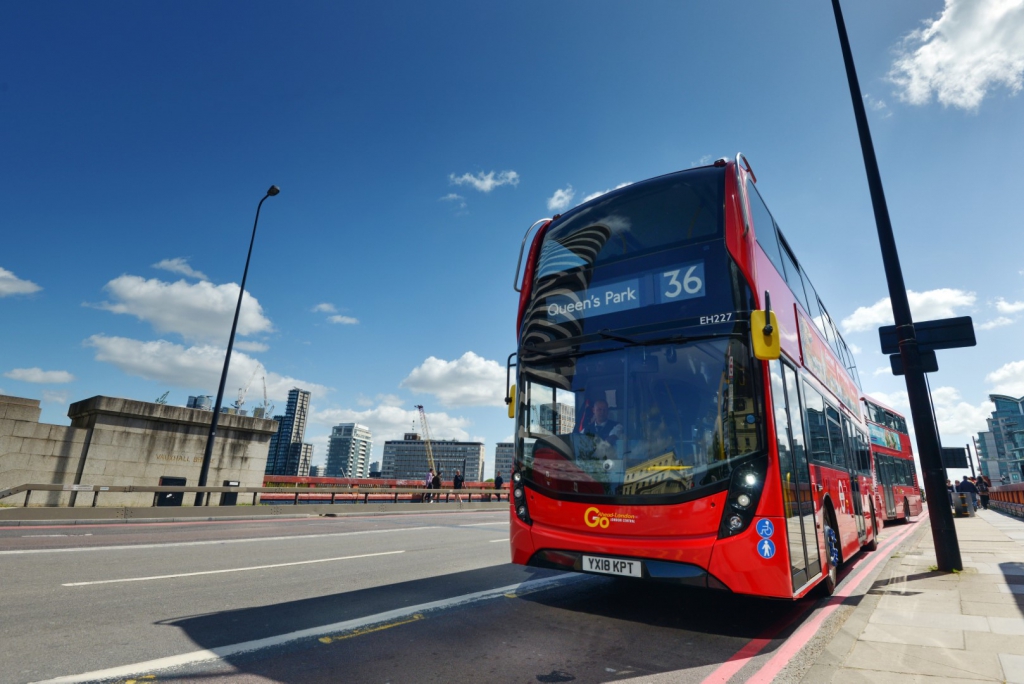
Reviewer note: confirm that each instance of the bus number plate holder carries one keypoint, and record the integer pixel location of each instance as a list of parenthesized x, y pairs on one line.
[(613, 566)]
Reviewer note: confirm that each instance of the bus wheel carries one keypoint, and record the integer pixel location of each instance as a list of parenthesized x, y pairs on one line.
[(831, 579), (906, 512), (873, 544)]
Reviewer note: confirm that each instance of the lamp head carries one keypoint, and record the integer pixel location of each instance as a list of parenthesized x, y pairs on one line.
[(273, 190)]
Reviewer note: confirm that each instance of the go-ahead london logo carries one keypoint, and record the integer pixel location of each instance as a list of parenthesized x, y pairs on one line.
[(594, 517)]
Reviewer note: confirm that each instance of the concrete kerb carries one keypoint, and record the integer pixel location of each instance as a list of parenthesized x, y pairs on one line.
[(834, 653)]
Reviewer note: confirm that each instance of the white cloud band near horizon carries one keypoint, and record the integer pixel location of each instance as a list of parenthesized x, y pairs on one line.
[(470, 380), (40, 376), (924, 306), (485, 182), (180, 265)]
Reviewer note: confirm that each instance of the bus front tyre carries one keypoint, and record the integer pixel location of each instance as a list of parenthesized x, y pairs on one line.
[(831, 579), (873, 544)]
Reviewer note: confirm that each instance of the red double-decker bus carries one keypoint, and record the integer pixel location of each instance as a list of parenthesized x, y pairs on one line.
[(897, 495), (663, 429)]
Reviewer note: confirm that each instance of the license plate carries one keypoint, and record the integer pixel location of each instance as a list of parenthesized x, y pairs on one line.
[(613, 566)]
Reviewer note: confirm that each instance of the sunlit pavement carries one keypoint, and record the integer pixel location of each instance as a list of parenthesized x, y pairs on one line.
[(413, 598)]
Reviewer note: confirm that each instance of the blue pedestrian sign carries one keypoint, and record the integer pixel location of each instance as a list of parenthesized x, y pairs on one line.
[(766, 548), (765, 528)]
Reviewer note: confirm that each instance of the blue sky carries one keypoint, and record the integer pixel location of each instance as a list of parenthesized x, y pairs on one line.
[(414, 143)]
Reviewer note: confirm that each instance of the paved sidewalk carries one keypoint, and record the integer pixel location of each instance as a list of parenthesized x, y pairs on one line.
[(920, 625)]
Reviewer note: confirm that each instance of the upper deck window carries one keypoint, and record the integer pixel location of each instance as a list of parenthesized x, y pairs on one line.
[(677, 209)]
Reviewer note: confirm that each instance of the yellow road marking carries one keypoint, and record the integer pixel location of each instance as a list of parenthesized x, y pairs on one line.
[(369, 630)]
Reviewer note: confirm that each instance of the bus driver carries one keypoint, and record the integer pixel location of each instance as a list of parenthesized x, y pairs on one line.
[(604, 427)]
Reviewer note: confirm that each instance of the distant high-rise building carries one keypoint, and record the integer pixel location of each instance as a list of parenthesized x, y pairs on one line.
[(504, 454), (318, 471), (375, 469), (203, 402), (1001, 448), (406, 459), (349, 452), (287, 454), (559, 419)]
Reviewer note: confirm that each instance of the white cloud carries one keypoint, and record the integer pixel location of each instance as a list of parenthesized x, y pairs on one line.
[(595, 195), (956, 417), (180, 265), (343, 320), (995, 323), (455, 199), (196, 368), (38, 375), (704, 160), (11, 284), (324, 307), (391, 422), (877, 105), (854, 348), (1008, 379), (883, 370), (895, 400), (973, 46), (470, 380), (1003, 306), (562, 199), (196, 311), (251, 346), (52, 397), (924, 306), (485, 182)]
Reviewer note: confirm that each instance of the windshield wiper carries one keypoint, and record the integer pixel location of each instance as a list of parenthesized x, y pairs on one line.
[(608, 335)]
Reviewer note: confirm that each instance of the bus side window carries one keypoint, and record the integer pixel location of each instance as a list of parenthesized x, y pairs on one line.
[(835, 434), (764, 228), (817, 428), (864, 450), (796, 284)]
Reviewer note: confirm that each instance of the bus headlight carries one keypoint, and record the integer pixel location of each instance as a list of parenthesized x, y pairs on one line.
[(745, 488), (519, 494)]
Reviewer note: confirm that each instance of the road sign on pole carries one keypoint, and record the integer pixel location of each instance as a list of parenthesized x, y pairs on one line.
[(945, 333)]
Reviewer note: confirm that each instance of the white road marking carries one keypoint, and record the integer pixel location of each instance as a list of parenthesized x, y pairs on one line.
[(498, 540), (221, 652), (121, 547), (217, 572), (503, 522), (30, 536)]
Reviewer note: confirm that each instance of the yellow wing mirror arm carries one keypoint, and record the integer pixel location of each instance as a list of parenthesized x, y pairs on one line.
[(511, 401), (764, 332), (510, 389)]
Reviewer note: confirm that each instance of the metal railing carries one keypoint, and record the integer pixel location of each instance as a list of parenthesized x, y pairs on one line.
[(344, 494)]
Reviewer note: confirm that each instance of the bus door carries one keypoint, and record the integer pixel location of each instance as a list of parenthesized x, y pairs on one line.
[(801, 531), (885, 477), (853, 463)]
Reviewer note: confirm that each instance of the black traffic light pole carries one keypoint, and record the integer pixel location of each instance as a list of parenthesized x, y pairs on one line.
[(947, 548), (204, 471)]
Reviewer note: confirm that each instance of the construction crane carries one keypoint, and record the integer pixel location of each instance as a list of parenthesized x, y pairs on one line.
[(268, 408), (162, 399), (242, 391), (426, 436)]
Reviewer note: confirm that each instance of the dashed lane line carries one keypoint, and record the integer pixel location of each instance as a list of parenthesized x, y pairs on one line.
[(218, 572), (210, 542)]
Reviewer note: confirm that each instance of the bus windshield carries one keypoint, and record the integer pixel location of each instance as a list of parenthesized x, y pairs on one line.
[(639, 423)]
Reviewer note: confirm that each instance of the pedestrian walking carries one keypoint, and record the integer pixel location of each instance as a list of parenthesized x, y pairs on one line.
[(457, 483), (983, 488), (498, 482), (436, 484), (428, 482), (951, 490), (965, 486)]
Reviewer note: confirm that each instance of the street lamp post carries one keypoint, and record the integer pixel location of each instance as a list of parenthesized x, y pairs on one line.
[(204, 471), (947, 547)]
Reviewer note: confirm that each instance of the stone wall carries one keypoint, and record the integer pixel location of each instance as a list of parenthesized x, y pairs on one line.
[(122, 442)]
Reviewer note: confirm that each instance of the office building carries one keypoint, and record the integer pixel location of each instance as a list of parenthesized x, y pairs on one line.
[(288, 455), (558, 418), (375, 469), (318, 471), (504, 454), (1001, 447), (348, 454), (406, 458)]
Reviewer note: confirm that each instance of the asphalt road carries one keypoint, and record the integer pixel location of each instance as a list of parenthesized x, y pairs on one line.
[(412, 598)]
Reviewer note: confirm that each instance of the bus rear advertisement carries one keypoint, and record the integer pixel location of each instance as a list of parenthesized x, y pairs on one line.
[(660, 436)]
